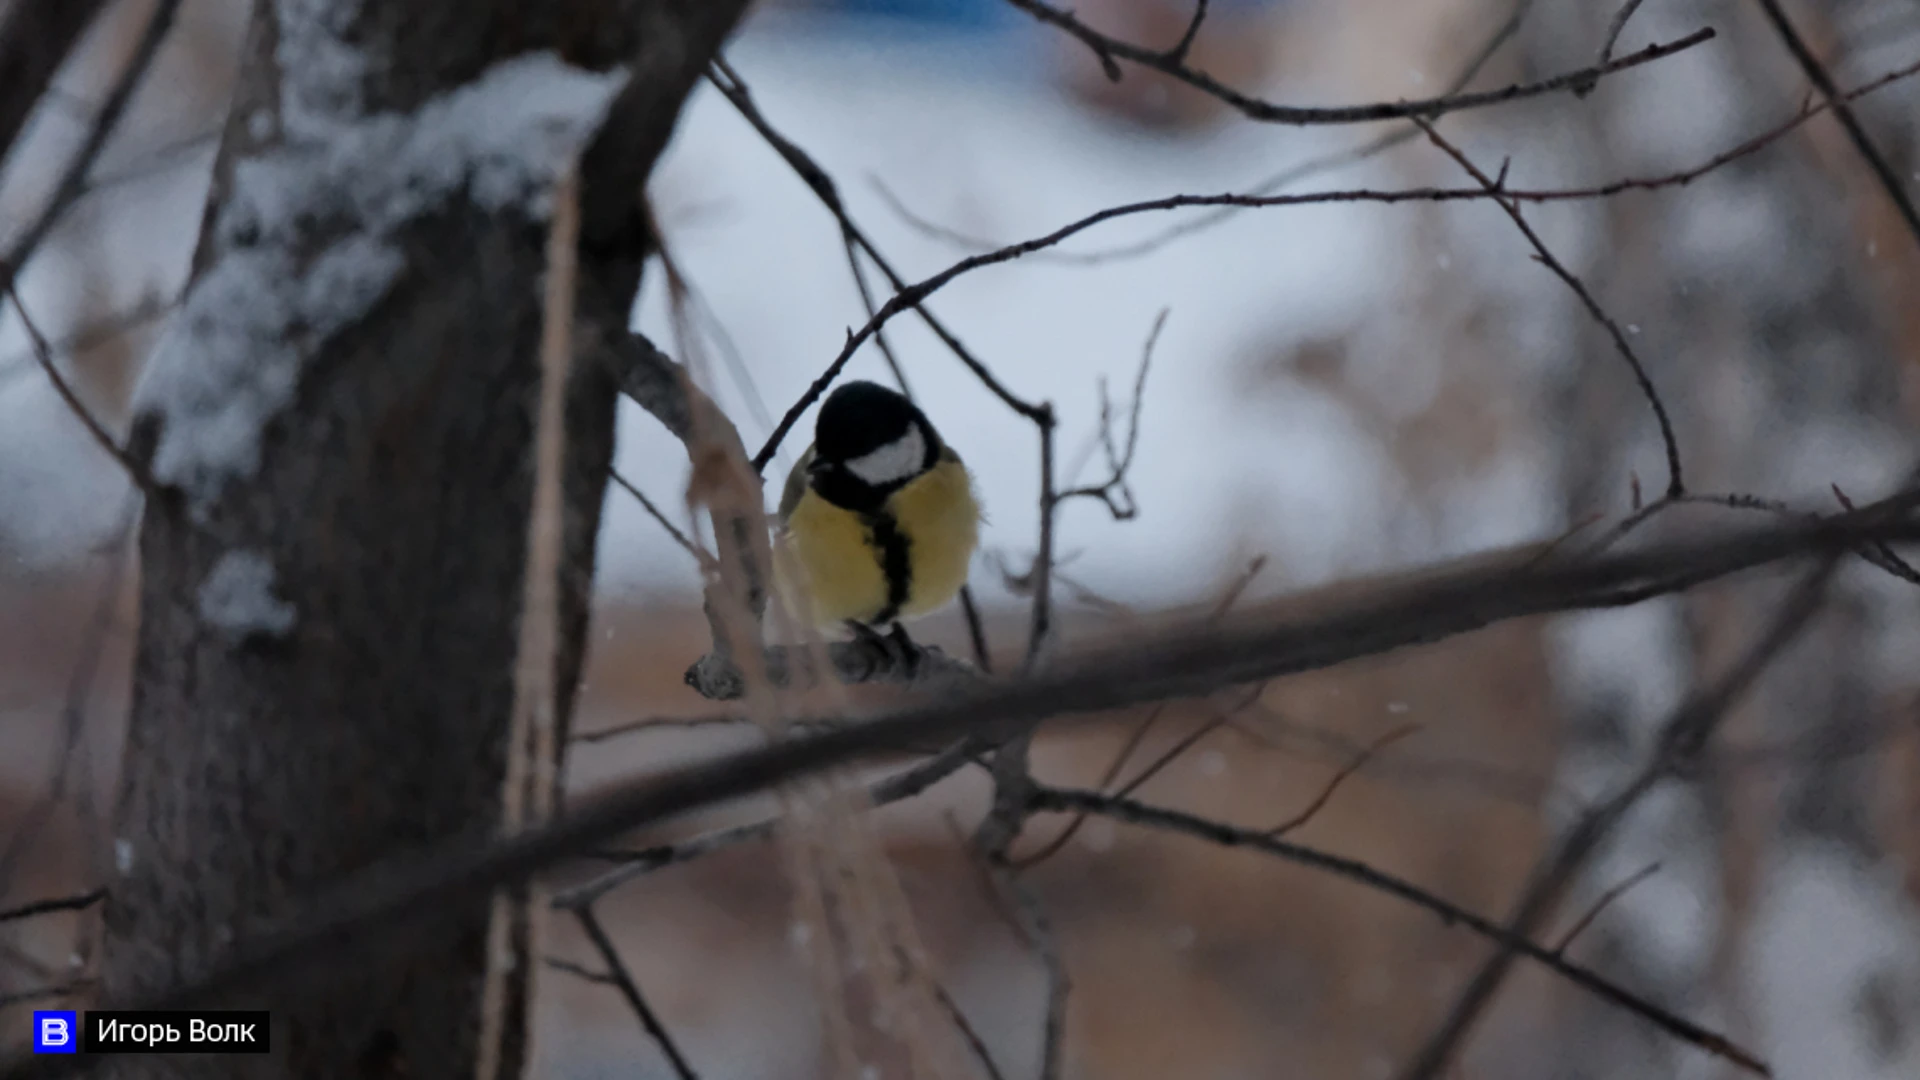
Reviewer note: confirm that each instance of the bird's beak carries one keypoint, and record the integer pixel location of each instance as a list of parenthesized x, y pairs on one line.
[(818, 466)]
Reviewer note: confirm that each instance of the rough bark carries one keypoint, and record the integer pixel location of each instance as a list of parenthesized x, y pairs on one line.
[(390, 499)]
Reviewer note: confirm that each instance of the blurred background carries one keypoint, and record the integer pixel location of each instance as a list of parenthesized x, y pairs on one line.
[(1340, 390)]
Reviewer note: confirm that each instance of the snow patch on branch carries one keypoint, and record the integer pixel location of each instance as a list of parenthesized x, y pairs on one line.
[(502, 140), (308, 245), (237, 597), (230, 361)]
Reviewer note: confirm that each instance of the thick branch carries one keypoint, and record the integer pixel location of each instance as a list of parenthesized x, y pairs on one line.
[(1189, 660), (862, 660), (651, 378)]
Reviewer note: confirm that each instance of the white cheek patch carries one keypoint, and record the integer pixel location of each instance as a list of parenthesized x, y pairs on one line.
[(899, 460)]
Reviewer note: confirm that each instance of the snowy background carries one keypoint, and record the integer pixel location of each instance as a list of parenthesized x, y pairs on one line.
[(968, 124)]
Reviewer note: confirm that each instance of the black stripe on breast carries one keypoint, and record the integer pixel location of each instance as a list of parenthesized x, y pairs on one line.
[(895, 564)]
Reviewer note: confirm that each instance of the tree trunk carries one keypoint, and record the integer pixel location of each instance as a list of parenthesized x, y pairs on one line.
[(339, 429)]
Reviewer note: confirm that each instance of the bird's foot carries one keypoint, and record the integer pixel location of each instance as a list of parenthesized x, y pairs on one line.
[(909, 650), (894, 649), (867, 636)]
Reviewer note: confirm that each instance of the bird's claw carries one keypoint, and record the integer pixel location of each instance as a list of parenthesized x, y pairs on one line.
[(908, 650), (894, 648)]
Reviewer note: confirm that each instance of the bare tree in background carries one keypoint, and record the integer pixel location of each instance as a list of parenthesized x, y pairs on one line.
[(1763, 291)]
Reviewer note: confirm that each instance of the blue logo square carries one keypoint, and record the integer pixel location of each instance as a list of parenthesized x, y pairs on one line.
[(56, 1031)]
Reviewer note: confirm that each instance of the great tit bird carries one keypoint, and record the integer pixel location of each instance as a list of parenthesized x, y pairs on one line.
[(879, 513)]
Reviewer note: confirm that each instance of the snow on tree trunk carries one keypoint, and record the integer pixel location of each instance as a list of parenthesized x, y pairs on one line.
[(340, 417)]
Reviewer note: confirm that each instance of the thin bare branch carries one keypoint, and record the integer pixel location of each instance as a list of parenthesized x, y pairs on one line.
[(729, 82), (1110, 51), (735, 90), (700, 558), (630, 989), (1114, 491), (580, 971), (913, 296), (967, 1031), (1178, 54), (1367, 876), (1034, 927), (534, 746), (1605, 901), (95, 429), (901, 785), (1138, 735), (1676, 485), (1890, 181), (855, 242), (149, 162), (1878, 555), (1881, 555), (1221, 718), (657, 723), (1325, 796), (1042, 620), (1060, 840), (72, 182), (76, 902), (1260, 196), (1305, 170), (851, 247), (1181, 745), (89, 336), (976, 631), (1617, 27)]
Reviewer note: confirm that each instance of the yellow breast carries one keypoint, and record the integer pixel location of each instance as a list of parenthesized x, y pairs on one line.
[(837, 570), (941, 519)]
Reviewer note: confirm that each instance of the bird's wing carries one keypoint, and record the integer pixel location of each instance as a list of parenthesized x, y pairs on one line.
[(948, 453), (796, 486)]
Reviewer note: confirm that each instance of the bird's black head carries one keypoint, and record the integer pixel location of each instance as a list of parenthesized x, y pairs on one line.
[(867, 442)]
